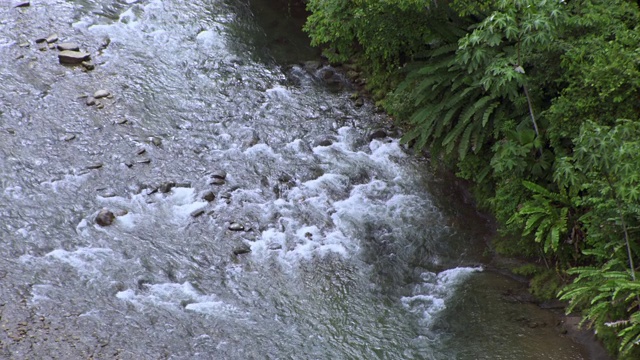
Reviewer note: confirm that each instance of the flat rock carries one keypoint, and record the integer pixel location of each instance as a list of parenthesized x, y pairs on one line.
[(105, 218), (69, 137), (90, 101), (219, 174), (68, 46), (94, 166), (22, 4), (88, 65), (216, 181), (52, 38), (40, 40), (73, 57), (101, 93)]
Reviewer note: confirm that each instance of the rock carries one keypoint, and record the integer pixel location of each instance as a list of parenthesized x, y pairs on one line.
[(90, 101), (69, 137), (141, 151), (242, 249), (378, 134), (312, 65), (100, 105), (51, 46), (105, 218), (40, 40), (52, 38), (219, 174), (236, 227), (166, 187), (73, 57), (217, 181), (155, 140), (197, 213), (105, 42), (22, 4), (24, 44), (209, 196), (94, 166), (121, 121), (121, 213), (143, 161), (88, 65), (101, 93), (68, 46), (128, 164), (359, 102), (183, 185)]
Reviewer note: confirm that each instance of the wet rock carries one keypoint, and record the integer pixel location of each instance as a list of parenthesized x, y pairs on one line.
[(22, 4), (197, 213), (143, 161), (11, 131), (88, 65), (90, 101), (221, 174), (41, 40), (121, 121), (97, 165), (52, 38), (68, 137), (24, 44), (359, 102), (105, 218), (209, 196), (101, 93), (73, 57), (236, 227), (217, 181), (242, 249), (166, 187), (100, 105), (68, 46), (141, 151), (183, 185), (121, 213), (108, 194), (128, 164), (378, 134), (274, 247), (323, 142), (312, 65), (51, 46), (328, 74)]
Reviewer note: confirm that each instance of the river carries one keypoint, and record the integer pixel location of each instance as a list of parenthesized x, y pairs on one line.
[(260, 214)]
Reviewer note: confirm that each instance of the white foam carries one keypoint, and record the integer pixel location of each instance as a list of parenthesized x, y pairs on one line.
[(431, 296), (86, 261), (174, 296)]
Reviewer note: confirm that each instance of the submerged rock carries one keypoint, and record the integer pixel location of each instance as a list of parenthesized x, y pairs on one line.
[(166, 187), (73, 57), (242, 249), (105, 218), (90, 101), (209, 196), (219, 174), (197, 213)]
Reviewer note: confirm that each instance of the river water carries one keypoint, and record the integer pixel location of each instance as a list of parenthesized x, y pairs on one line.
[(355, 249)]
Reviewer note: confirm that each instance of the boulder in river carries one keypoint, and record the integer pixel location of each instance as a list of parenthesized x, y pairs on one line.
[(73, 57), (105, 217)]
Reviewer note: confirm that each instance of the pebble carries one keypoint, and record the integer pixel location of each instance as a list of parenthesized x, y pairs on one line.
[(69, 137), (40, 40), (141, 150), (236, 227), (121, 121), (143, 161), (24, 45), (91, 101), (100, 106), (166, 187), (22, 4), (88, 65), (101, 93)]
